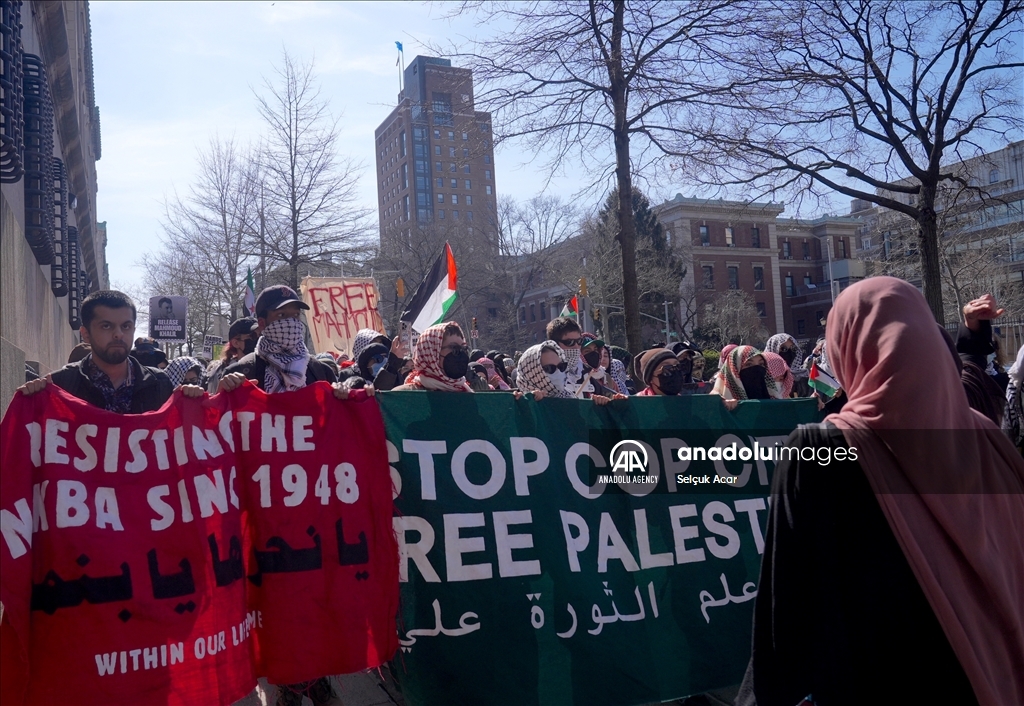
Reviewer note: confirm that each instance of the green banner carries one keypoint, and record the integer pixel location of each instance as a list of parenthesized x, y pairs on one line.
[(544, 562)]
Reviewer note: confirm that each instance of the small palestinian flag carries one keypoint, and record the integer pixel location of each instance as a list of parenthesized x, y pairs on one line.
[(250, 295), (435, 295), (822, 381), (571, 309)]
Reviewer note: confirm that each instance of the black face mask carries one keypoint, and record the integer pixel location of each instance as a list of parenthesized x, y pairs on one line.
[(456, 364), (753, 379), (593, 359), (671, 381), (788, 355)]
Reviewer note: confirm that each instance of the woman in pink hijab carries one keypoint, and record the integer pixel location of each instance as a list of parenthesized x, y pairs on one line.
[(894, 573)]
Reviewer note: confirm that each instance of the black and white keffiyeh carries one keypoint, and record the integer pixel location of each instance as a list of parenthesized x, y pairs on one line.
[(282, 347), (531, 374)]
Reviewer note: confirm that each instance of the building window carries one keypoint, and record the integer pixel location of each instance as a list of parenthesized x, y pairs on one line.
[(762, 310), (993, 176), (807, 250), (451, 166), (405, 175), (455, 183), (466, 169), (819, 315), (543, 311), (522, 314), (422, 215), (401, 144), (440, 214), (790, 289), (533, 313), (728, 237), (807, 281), (709, 276), (469, 185), (455, 215), (734, 277), (487, 189), (842, 249), (487, 174), (800, 328), (865, 242), (440, 182), (451, 135), (786, 253), (469, 199), (455, 198), (437, 134), (755, 237), (437, 150), (451, 152), (440, 198), (759, 279), (465, 136), (421, 183), (438, 167), (469, 214), (705, 237), (405, 205), (487, 159)]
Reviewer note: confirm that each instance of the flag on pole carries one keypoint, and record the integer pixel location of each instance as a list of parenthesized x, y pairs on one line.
[(571, 309), (434, 297), (822, 381), (401, 52), (250, 294)]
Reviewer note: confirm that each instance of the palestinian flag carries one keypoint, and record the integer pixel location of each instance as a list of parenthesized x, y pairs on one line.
[(822, 381), (250, 295), (435, 295), (571, 309)]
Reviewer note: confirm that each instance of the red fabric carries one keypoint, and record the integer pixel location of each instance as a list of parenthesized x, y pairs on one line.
[(294, 626), (965, 544)]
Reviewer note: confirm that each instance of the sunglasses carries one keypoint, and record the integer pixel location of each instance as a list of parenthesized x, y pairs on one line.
[(570, 342), (455, 349), (549, 369)]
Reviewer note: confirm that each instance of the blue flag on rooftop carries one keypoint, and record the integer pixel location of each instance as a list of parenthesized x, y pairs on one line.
[(399, 45)]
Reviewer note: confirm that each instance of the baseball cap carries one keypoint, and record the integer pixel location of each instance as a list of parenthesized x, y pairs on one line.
[(589, 339), (246, 324), (273, 298)]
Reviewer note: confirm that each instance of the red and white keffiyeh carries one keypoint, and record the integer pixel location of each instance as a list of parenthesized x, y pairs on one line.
[(781, 374), (426, 361)]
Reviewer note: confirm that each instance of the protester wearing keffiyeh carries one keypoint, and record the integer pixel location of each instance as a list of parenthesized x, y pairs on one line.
[(281, 345), (728, 383), (427, 372), (531, 374), (177, 369), (775, 344), (781, 374)]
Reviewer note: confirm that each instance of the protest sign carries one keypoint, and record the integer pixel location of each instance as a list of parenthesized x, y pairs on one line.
[(338, 308), (167, 318), (577, 590), (173, 557), (211, 344)]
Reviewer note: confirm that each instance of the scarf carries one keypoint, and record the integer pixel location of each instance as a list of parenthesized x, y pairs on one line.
[(281, 346), (780, 374), (963, 542), (1013, 419), (363, 338), (618, 374), (496, 381), (728, 378), (426, 362), (774, 345), (531, 374), (177, 368)]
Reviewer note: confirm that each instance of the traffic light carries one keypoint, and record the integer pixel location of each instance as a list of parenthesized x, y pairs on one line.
[(400, 288), (597, 314), (583, 286), (474, 323)]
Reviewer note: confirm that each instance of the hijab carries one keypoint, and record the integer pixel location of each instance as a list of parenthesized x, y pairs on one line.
[(495, 380), (727, 381), (618, 374), (781, 373), (775, 344), (282, 346), (426, 361), (963, 542), (532, 375)]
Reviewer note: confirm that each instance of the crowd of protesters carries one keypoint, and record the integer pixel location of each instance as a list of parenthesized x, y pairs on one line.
[(855, 576)]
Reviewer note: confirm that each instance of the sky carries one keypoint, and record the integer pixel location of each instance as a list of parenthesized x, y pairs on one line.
[(169, 76)]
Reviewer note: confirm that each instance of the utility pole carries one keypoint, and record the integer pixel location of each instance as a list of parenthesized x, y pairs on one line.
[(668, 335)]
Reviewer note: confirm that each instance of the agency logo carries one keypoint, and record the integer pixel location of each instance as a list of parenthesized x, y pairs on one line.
[(627, 457)]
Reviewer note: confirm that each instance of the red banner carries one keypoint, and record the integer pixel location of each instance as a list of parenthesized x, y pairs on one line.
[(173, 557)]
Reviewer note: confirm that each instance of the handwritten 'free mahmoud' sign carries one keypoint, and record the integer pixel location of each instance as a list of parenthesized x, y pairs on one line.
[(536, 571)]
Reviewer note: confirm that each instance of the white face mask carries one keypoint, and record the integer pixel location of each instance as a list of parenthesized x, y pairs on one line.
[(557, 379)]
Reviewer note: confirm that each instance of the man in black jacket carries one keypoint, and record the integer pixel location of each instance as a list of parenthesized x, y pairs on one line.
[(280, 362), (109, 378)]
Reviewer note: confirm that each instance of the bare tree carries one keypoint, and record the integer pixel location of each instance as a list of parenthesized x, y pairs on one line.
[(310, 189), (581, 79), (869, 99), (730, 317), (211, 227)]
